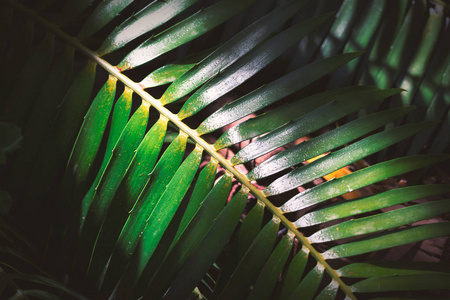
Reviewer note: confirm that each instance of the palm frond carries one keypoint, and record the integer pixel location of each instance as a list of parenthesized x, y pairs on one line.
[(116, 209)]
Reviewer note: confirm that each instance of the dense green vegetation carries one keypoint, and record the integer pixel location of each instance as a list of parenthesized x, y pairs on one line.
[(230, 149)]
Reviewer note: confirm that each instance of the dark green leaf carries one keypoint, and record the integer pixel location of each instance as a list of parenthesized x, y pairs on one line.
[(325, 142), (272, 92), (308, 123), (183, 32), (192, 236), (102, 15), (383, 221), (359, 179), (372, 203), (251, 264), (156, 224), (294, 273), (268, 276), (97, 201), (229, 52), (282, 115), (244, 238), (247, 66), (210, 247), (402, 283), (150, 17), (308, 286), (329, 292), (391, 268), (342, 158), (129, 190), (414, 234), (90, 135)]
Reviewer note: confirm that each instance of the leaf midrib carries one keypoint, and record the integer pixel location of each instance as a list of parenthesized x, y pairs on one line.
[(186, 129)]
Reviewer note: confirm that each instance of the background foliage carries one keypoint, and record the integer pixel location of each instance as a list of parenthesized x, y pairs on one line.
[(224, 149)]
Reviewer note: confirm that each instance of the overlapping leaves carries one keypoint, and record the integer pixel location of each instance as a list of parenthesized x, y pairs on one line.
[(153, 217)]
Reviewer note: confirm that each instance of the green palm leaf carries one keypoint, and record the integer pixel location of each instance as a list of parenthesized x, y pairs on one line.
[(238, 212)]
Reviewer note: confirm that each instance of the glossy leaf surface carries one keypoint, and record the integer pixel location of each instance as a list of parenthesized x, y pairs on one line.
[(286, 189)]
